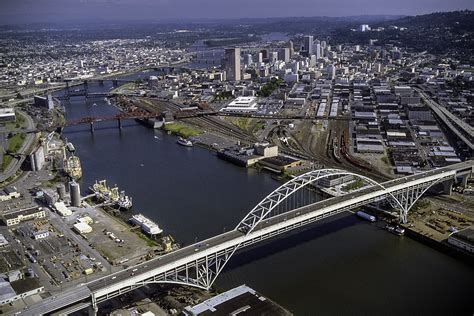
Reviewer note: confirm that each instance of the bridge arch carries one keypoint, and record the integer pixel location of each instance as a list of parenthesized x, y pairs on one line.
[(263, 210)]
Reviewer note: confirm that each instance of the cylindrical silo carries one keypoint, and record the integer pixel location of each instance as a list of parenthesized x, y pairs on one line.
[(61, 188), (75, 193)]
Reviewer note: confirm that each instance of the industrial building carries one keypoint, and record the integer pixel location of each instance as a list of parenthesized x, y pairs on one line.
[(239, 300), (279, 163), (62, 209), (44, 102), (242, 104), (7, 115), (463, 239), (82, 228), (17, 217)]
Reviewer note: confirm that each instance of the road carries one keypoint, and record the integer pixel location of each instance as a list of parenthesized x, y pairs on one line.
[(464, 131), (16, 163)]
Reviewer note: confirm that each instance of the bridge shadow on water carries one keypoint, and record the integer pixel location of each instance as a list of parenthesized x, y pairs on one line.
[(292, 239)]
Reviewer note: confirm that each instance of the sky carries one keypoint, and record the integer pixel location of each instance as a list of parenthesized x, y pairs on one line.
[(33, 11)]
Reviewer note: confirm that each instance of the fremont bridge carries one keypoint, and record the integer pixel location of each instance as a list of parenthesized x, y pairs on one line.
[(292, 206)]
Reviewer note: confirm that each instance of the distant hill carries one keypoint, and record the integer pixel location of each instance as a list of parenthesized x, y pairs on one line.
[(440, 33)]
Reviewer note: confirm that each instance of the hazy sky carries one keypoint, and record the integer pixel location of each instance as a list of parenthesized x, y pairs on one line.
[(21, 11)]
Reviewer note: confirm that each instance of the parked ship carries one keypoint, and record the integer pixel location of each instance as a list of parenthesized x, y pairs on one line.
[(111, 196), (72, 167), (147, 225), (70, 147), (184, 142), (366, 216), (397, 230), (124, 202)]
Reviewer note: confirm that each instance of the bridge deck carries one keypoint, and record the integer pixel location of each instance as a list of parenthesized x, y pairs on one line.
[(274, 225)]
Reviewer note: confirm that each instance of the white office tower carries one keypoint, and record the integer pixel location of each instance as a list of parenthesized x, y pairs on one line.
[(260, 58), (308, 44), (312, 61), (323, 45), (357, 48), (232, 64), (364, 28), (319, 54), (248, 59)]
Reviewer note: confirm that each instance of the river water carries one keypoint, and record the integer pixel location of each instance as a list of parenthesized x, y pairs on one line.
[(342, 266)]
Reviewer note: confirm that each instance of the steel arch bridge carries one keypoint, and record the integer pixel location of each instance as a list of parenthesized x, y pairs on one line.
[(203, 272), (266, 208), (200, 264)]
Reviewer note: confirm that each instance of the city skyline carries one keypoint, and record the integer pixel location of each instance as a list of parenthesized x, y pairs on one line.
[(26, 11)]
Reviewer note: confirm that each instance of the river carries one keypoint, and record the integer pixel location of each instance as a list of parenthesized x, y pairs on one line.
[(342, 266)]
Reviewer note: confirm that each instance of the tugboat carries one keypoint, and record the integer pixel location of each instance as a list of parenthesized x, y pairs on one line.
[(184, 142), (397, 230)]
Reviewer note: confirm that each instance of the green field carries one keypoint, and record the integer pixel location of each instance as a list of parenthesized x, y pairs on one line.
[(14, 145), (182, 130)]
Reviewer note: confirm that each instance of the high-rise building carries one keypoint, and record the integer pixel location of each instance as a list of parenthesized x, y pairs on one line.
[(308, 45), (260, 58), (232, 64), (274, 57), (291, 48), (284, 54), (318, 51), (248, 59)]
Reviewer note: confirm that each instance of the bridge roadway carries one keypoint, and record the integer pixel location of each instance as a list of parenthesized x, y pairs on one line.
[(136, 276)]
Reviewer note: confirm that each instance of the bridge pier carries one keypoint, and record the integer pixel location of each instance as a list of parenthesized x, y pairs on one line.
[(92, 310), (92, 127), (448, 187), (119, 123)]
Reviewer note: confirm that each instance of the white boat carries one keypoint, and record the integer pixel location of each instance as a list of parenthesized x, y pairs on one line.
[(184, 142), (147, 225)]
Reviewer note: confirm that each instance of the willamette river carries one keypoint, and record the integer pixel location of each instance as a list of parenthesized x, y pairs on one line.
[(343, 266)]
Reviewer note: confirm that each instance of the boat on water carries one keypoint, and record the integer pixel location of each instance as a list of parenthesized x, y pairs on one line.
[(366, 216), (72, 167), (184, 142), (124, 202), (111, 196), (147, 225), (397, 230)]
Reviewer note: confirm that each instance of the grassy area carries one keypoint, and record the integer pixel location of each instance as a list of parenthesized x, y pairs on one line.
[(19, 123), (15, 142), (124, 87), (149, 242), (385, 160), (357, 184), (14, 145), (182, 130)]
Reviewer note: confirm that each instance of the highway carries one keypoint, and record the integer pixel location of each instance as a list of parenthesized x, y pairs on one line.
[(16, 163), (137, 275), (464, 131)]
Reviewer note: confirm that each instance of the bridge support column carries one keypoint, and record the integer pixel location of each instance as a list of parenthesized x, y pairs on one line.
[(464, 180), (119, 123), (92, 127), (448, 187)]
